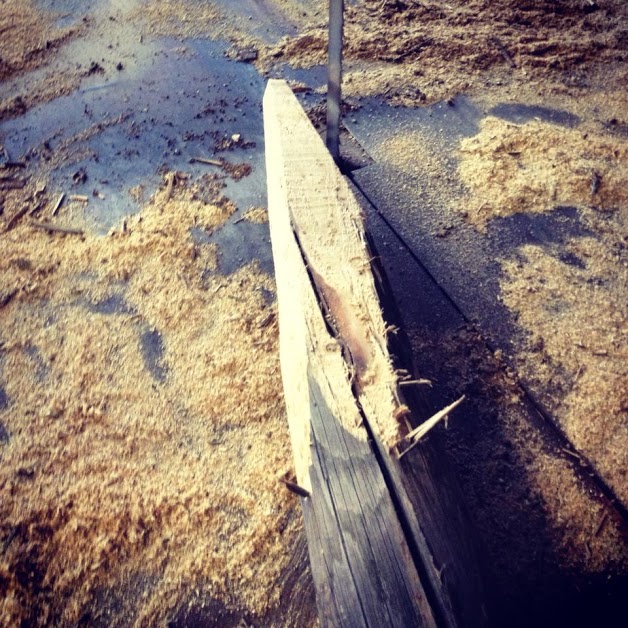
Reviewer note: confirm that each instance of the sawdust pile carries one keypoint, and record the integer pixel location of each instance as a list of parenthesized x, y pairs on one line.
[(179, 18), (26, 37), (572, 305), (537, 517), (143, 430), (417, 52), (28, 41), (534, 167)]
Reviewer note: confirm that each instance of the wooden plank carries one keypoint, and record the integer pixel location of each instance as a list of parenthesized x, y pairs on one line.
[(361, 563), (314, 213)]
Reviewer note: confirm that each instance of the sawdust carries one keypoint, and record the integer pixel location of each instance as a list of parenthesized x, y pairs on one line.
[(542, 525), (144, 421), (27, 40), (535, 167), (419, 52), (572, 304), (256, 215), (180, 18)]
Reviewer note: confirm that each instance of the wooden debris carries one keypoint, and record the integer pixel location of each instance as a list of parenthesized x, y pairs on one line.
[(170, 177), (416, 382), (502, 50), (206, 160), (80, 198), (600, 525), (418, 433), (16, 218), (360, 560), (295, 488), (47, 226), (6, 298), (10, 183), (58, 204)]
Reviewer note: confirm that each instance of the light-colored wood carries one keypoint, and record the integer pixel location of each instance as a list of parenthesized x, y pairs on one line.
[(362, 566), (341, 389)]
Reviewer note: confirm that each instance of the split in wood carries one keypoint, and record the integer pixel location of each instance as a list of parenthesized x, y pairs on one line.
[(46, 226), (295, 488), (418, 433)]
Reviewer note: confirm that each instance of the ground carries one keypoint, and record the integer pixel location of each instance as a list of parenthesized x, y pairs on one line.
[(142, 429)]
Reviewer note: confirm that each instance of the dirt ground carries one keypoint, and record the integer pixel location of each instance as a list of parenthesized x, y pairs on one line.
[(142, 431)]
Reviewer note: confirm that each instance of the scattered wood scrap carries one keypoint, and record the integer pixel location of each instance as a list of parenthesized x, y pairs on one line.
[(206, 160), (51, 228)]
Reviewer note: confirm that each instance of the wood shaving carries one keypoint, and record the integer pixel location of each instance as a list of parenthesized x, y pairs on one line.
[(535, 167), (145, 425)]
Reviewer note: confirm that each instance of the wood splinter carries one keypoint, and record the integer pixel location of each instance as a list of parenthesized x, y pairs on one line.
[(418, 433), (295, 488), (416, 382), (46, 226), (205, 160), (58, 204)]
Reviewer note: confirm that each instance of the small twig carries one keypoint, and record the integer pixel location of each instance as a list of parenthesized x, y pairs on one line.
[(600, 525), (418, 433), (6, 298), (46, 226), (502, 50), (16, 217), (416, 382), (267, 321), (169, 185), (79, 197), (295, 488), (58, 204), (573, 454), (205, 160)]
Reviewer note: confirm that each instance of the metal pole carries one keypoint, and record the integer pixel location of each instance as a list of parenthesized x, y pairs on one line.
[(334, 76)]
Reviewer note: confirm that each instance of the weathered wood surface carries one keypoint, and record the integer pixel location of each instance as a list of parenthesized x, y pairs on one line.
[(368, 537), (362, 568)]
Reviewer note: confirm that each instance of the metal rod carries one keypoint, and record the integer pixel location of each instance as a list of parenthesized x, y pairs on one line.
[(334, 76)]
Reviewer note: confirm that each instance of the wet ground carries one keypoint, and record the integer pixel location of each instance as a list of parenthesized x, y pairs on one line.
[(146, 106)]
